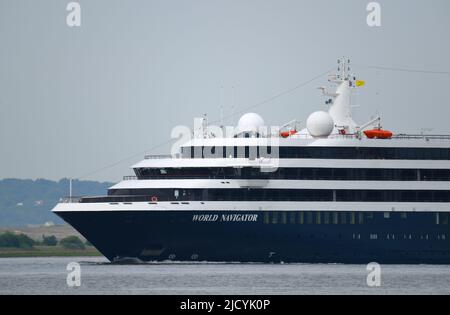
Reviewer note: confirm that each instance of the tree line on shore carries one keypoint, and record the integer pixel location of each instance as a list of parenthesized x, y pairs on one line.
[(23, 241)]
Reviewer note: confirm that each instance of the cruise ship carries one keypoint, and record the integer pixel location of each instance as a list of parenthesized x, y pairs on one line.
[(333, 191)]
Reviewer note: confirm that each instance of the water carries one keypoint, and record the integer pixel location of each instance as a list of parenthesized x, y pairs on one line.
[(48, 276)]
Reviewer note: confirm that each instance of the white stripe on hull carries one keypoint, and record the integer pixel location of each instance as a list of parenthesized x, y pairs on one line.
[(282, 184), (256, 206), (331, 141), (317, 163)]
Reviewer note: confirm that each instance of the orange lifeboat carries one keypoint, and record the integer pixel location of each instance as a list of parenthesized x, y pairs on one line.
[(287, 134), (378, 134)]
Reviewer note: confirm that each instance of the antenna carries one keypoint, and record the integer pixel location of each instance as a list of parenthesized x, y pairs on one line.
[(232, 95), (232, 102), (344, 68), (205, 125), (221, 106), (70, 188)]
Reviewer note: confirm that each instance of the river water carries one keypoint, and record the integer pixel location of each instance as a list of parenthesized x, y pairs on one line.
[(97, 276)]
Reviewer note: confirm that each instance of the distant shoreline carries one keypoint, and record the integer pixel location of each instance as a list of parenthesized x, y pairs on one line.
[(36, 232), (41, 250), (48, 251)]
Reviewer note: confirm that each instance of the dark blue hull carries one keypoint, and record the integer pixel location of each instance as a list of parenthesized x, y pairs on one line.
[(257, 237)]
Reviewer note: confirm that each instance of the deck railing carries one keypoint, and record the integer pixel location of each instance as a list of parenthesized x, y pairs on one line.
[(162, 156), (425, 137), (70, 199)]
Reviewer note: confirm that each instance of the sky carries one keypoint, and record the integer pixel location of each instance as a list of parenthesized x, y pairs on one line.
[(87, 102)]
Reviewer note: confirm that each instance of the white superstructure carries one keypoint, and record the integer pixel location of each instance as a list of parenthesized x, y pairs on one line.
[(334, 129)]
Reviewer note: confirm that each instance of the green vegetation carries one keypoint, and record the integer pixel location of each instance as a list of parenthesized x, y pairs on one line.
[(72, 242), (49, 240), (21, 245), (9, 240)]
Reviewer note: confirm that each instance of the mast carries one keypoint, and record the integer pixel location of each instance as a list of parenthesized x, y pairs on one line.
[(70, 188), (340, 109)]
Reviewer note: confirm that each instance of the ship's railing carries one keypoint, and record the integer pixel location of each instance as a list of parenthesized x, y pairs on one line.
[(425, 137), (70, 200), (193, 176), (162, 156), (130, 178), (125, 178), (396, 136), (348, 136), (116, 199)]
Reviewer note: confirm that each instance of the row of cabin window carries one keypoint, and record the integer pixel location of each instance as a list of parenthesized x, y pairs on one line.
[(389, 236), (316, 217), (238, 194), (393, 236), (296, 173), (252, 152), (334, 217)]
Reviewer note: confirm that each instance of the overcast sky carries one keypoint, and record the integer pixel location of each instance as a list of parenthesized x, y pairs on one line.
[(74, 100)]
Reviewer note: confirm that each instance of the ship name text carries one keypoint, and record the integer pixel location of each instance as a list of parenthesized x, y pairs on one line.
[(225, 218)]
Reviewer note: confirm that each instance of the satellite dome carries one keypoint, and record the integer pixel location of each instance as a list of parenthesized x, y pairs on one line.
[(320, 124), (250, 123)]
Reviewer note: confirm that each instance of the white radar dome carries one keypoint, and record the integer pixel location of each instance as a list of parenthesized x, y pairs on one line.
[(320, 124), (250, 123)]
